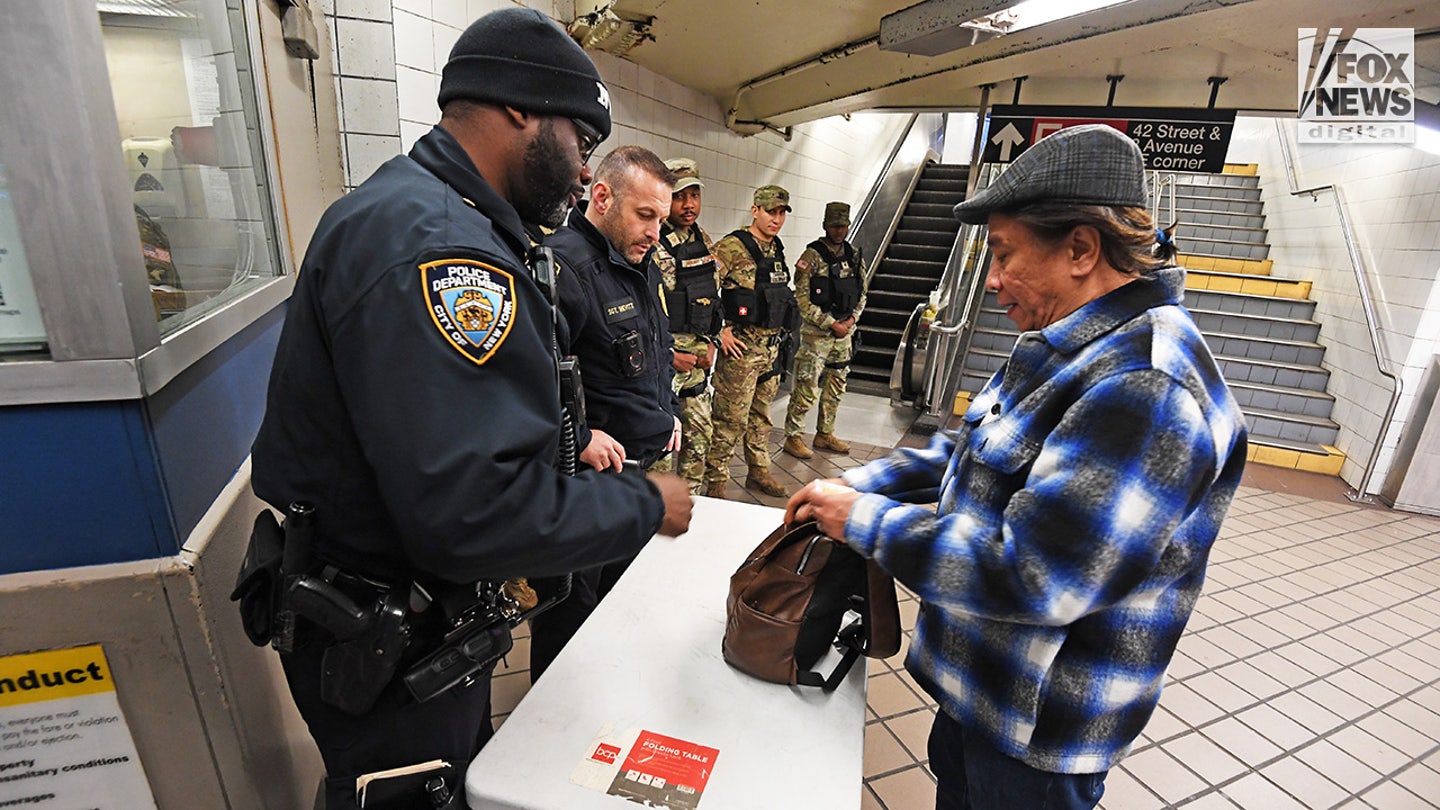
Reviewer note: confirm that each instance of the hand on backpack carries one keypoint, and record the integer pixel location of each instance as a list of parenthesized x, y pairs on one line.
[(827, 501)]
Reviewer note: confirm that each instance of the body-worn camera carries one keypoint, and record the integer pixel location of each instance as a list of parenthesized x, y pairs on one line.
[(629, 354)]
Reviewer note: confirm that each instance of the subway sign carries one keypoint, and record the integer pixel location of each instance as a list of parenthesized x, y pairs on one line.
[(1171, 138)]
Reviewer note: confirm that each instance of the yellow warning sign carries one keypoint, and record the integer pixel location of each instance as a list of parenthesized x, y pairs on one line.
[(54, 674)]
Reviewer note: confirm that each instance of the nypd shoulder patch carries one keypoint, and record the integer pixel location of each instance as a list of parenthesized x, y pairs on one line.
[(472, 304)]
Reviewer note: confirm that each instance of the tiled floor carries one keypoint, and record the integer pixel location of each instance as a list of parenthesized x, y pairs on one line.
[(1309, 676)]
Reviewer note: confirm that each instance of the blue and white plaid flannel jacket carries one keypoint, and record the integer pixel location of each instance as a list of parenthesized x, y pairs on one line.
[(1077, 505)]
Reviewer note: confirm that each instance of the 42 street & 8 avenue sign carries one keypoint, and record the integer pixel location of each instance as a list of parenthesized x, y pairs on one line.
[(1172, 138)]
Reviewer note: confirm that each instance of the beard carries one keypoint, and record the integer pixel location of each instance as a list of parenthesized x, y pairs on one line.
[(545, 197)]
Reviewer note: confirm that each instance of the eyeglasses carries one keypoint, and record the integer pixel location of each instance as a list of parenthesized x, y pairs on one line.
[(587, 138)]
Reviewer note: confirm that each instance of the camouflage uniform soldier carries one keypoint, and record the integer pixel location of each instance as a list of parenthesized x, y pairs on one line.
[(830, 289), (759, 307), (691, 278)]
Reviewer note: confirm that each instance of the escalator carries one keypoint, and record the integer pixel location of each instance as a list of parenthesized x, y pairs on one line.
[(908, 271)]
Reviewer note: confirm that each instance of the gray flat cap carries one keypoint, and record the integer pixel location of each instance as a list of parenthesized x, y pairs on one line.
[(1092, 164)]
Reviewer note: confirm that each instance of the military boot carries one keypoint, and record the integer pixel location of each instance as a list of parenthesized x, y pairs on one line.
[(760, 480), (829, 441), (795, 446), (715, 490)]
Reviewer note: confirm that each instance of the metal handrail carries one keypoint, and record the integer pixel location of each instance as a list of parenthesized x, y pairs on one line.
[(1161, 182), (958, 306), (1382, 361)]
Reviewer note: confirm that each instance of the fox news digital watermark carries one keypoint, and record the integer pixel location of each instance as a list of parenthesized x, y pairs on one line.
[(1358, 88)]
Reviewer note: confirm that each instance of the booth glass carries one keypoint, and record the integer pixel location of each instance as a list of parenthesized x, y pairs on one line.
[(22, 334), (193, 156)]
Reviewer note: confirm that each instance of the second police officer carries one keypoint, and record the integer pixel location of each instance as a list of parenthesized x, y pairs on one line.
[(830, 289), (759, 310), (617, 328)]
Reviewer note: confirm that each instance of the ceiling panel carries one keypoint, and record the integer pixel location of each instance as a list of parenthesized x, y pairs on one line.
[(1164, 48)]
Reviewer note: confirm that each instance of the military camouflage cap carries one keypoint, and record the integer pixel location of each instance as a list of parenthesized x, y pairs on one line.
[(687, 173), (836, 213), (768, 198)]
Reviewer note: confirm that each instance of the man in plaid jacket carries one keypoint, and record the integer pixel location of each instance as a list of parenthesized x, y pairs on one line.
[(1078, 497)]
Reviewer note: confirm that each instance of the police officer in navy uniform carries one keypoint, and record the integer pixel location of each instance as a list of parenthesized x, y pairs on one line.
[(414, 399), (619, 330)]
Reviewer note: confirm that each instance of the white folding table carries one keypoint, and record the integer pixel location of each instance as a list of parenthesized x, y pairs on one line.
[(649, 659)]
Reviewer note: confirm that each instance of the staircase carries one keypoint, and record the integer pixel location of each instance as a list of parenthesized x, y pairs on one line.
[(909, 270), (1260, 328)]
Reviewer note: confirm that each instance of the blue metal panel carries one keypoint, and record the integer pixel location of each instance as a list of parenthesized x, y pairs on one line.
[(79, 485), (106, 482), (206, 418)]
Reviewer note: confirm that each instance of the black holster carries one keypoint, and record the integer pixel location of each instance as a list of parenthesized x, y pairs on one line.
[(355, 672), (259, 582)]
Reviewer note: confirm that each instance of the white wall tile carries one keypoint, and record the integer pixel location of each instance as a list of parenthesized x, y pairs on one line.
[(367, 49), (367, 152), (420, 8), (414, 41), (364, 9), (454, 13), (369, 106), (410, 132), (417, 91)]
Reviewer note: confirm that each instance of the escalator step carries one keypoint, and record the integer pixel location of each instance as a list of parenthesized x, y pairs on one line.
[(927, 238)]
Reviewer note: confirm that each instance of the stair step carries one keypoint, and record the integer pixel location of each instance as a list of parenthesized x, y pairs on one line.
[(946, 197), (1191, 202), (1261, 326), (1224, 249), (1248, 304), (892, 299), (1323, 459), (915, 285), (1291, 427), (1272, 372), (1286, 399), (1200, 216), (1244, 235), (1215, 191), (1245, 282), (915, 221), (912, 237), (947, 185), (933, 210), (1299, 352), (881, 336), (1212, 180), (960, 170), (931, 253), (880, 316)]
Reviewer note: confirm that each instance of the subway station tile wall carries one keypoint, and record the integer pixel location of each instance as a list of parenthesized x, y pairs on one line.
[(386, 107)]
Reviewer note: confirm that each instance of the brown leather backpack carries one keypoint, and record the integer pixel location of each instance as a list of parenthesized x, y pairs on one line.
[(788, 600)]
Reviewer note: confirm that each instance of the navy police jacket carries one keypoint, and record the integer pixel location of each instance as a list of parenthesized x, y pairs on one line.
[(619, 330), (414, 398)]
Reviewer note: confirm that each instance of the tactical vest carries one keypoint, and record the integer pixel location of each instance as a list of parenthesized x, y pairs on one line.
[(838, 291), (771, 303), (694, 304)]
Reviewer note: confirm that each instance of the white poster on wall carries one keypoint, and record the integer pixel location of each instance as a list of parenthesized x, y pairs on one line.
[(63, 742), (20, 324)]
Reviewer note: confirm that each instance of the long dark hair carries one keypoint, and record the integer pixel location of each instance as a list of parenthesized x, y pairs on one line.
[(1128, 237)]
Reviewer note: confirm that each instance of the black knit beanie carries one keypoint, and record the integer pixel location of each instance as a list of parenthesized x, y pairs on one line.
[(519, 58)]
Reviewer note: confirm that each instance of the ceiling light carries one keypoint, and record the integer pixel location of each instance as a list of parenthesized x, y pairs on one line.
[(935, 27)]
